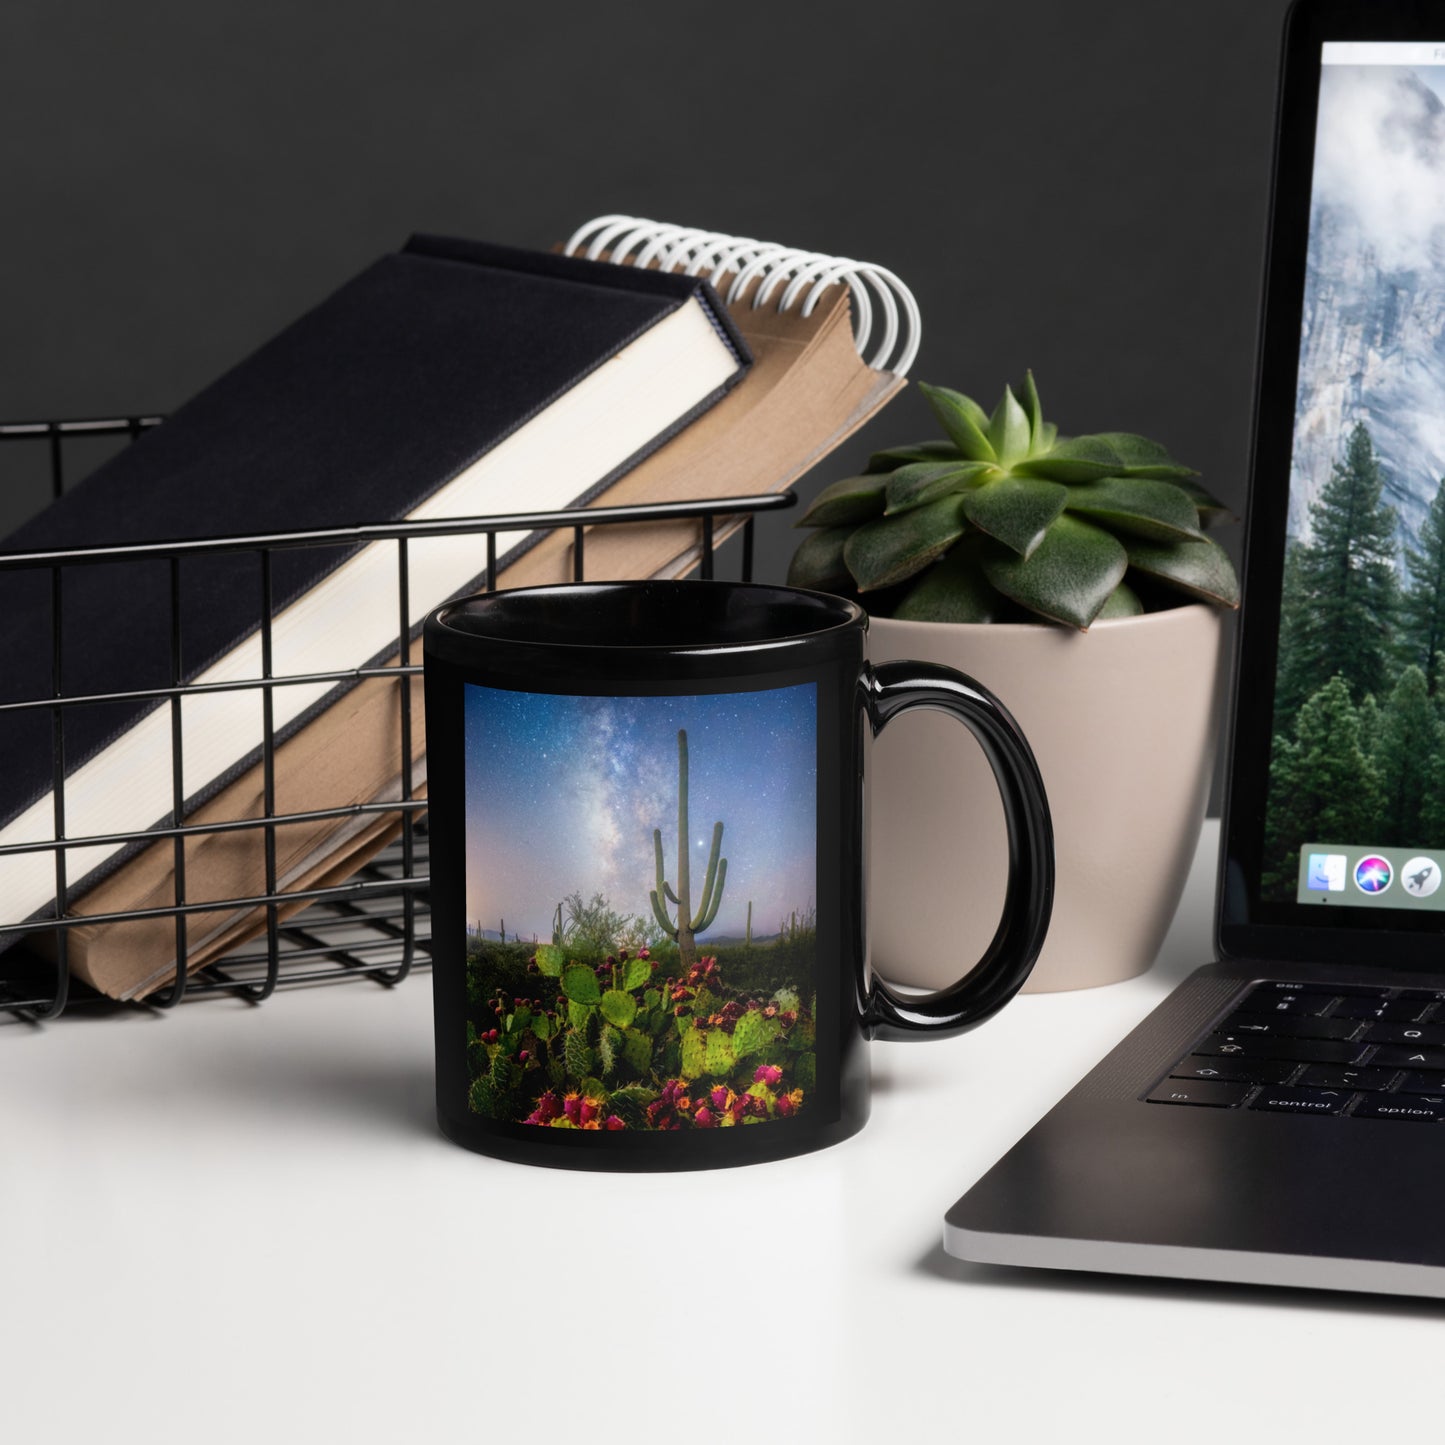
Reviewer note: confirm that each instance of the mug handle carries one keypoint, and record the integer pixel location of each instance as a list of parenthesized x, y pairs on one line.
[(896, 687)]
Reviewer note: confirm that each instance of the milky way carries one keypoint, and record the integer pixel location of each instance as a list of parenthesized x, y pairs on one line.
[(563, 794)]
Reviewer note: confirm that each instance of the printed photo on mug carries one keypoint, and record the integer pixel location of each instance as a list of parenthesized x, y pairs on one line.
[(647, 848), (641, 897)]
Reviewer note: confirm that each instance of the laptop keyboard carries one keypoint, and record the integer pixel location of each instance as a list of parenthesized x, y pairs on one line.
[(1300, 1048)]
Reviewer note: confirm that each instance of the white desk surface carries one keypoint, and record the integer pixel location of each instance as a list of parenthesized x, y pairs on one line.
[(238, 1224)]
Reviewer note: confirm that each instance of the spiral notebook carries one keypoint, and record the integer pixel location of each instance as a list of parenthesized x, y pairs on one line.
[(831, 340)]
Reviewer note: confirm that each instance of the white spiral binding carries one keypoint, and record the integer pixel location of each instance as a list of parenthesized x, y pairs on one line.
[(808, 274)]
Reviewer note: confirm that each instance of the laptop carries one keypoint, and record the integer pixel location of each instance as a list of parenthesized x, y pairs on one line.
[(1280, 1117)]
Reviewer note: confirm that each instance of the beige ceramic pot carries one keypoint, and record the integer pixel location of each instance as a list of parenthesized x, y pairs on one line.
[(1122, 722)]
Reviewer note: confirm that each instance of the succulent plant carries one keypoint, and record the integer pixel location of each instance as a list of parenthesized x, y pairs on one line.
[(1006, 520)]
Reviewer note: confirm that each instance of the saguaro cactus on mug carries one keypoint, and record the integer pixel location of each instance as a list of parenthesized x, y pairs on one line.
[(687, 925)]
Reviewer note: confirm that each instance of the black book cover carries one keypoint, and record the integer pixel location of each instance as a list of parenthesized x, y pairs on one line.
[(355, 413)]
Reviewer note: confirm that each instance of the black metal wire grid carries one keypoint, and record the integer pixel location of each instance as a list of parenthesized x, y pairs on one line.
[(377, 924)]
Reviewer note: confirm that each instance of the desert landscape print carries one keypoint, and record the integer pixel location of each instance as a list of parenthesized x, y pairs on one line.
[(641, 883)]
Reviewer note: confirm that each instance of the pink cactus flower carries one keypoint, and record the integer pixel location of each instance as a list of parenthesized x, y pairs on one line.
[(613, 1122), (769, 1074), (703, 1118), (790, 1103), (523, 1055), (739, 1107), (590, 1109), (644, 953), (572, 1107), (721, 1097), (549, 1107)]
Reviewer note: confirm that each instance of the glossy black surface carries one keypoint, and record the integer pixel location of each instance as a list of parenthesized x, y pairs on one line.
[(898, 687), (670, 638)]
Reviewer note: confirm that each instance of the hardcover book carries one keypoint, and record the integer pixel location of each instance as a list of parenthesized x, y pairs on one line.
[(450, 379)]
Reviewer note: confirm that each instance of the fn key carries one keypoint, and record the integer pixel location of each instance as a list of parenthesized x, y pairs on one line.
[(1186, 1091)]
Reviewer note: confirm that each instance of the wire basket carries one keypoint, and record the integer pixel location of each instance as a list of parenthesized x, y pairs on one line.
[(376, 925)]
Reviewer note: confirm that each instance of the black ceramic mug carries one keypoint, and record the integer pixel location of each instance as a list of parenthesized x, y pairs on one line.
[(647, 843)]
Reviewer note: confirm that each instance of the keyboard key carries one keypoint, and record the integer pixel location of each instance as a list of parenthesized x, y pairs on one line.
[(1249, 1071), (1400, 1010), (1266, 1046), (1331, 1076), (1286, 1027), (1302, 1101), (1425, 995), (1293, 1004), (1423, 1084), (1419, 1034), (1208, 1093), (1399, 1106), (1403, 1056), (1323, 990)]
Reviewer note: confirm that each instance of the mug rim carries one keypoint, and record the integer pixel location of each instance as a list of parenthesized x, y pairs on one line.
[(845, 616)]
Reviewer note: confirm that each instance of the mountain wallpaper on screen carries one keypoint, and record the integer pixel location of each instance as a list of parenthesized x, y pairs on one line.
[(1359, 746), (1373, 343)]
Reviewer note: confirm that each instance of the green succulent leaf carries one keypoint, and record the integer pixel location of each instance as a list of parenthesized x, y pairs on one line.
[(637, 1050), (637, 972), (1068, 578), (1143, 458), (953, 590), (694, 1053), (1123, 602), (1048, 435), (1200, 568), (851, 500), (891, 457), (1211, 510), (963, 419), (893, 549), (579, 983), (609, 1047), (1141, 506), (1009, 432), (921, 482), (1035, 409), (719, 1059), (576, 1056), (1016, 511), (550, 959), (818, 563), (753, 1032), (579, 1015), (1077, 459), (618, 1008)]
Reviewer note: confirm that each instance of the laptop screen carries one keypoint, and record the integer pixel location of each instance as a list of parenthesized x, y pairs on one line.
[(1354, 815)]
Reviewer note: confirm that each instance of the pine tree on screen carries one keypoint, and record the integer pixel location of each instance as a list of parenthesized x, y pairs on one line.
[(1422, 609), (1405, 758), (1324, 786), (1342, 595)]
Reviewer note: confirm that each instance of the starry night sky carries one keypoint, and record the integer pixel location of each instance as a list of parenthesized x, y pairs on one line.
[(563, 794)]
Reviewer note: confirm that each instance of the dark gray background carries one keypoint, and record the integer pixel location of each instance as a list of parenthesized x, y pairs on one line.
[(1076, 187)]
